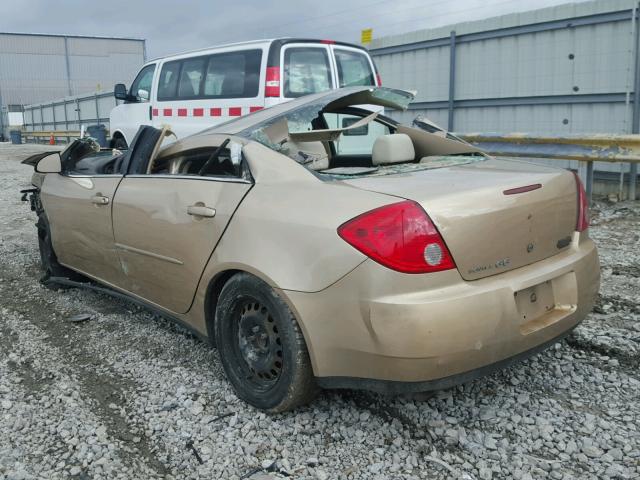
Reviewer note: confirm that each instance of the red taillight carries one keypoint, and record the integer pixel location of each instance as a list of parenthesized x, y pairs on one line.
[(272, 82), (583, 206), (400, 236), (378, 79)]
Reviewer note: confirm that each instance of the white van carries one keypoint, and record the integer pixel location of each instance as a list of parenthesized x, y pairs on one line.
[(195, 90)]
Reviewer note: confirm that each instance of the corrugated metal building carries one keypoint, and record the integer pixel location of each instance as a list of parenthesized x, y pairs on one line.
[(569, 69), (38, 67)]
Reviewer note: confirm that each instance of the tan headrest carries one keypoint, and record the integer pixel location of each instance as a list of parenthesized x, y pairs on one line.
[(394, 148)]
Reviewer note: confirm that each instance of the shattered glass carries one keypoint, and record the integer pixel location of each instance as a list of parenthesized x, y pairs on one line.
[(381, 170)]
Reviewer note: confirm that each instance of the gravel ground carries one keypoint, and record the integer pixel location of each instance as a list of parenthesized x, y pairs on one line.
[(129, 395)]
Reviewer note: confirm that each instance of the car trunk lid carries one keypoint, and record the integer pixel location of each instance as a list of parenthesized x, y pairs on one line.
[(489, 223)]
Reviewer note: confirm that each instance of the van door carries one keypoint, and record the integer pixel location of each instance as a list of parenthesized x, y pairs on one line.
[(306, 68), (133, 113), (354, 67), (195, 93)]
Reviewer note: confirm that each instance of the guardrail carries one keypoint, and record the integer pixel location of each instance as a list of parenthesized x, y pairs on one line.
[(589, 149), (45, 136), (70, 112)]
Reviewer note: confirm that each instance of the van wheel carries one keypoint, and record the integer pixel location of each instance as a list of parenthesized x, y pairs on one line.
[(119, 143), (48, 258), (261, 346)]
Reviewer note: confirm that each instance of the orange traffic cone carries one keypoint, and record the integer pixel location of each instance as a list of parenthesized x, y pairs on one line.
[(52, 141)]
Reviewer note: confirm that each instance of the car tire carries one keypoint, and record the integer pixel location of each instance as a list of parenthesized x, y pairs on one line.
[(262, 349), (48, 257)]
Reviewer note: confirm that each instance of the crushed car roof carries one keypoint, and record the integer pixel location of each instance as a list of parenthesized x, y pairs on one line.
[(329, 100)]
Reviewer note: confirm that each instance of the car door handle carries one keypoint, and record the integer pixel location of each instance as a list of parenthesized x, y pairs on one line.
[(201, 211), (100, 200)]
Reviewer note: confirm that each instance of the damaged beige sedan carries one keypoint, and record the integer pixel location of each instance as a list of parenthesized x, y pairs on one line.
[(319, 243)]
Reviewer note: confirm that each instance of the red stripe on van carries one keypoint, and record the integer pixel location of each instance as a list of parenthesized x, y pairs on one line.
[(215, 112), (198, 112), (235, 111), (254, 109), (167, 112), (154, 112), (182, 112)]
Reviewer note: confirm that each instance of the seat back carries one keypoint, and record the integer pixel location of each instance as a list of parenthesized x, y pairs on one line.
[(394, 148)]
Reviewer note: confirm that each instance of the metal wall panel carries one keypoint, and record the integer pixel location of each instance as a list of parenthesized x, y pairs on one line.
[(535, 119), (562, 70), (40, 68), (31, 44), (581, 60), (426, 71)]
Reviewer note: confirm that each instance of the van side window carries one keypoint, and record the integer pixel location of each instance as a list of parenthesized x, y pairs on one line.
[(168, 80), (233, 75), (353, 68), (190, 78), (306, 70), (224, 75), (143, 82)]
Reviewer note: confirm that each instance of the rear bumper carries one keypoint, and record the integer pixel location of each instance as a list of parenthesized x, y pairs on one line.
[(433, 331), (396, 387)]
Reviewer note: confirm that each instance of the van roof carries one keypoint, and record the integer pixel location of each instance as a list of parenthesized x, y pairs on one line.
[(282, 40)]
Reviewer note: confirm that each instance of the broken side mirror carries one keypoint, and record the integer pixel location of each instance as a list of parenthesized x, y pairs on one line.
[(120, 91), (49, 164)]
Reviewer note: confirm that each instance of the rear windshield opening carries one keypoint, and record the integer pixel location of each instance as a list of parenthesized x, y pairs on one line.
[(350, 153)]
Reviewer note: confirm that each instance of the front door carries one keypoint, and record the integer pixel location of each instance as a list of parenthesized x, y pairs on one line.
[(167, 223), (79, 211)]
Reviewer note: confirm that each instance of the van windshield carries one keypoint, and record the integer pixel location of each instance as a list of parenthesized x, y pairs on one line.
[(354, 68)]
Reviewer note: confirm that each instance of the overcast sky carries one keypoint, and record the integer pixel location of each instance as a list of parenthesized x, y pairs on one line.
[(178, 25)]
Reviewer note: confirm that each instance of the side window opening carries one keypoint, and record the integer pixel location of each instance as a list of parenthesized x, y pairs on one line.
[(85, 157), (191, 162)]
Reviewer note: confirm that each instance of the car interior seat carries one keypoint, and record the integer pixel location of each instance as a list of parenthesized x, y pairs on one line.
[(393, 148)]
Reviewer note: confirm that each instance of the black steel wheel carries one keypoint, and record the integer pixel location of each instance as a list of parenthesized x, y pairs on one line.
[(261, 346), (259, 343)]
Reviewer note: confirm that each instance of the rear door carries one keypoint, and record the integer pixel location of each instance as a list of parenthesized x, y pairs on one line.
[(168, 222), (201, 91)]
